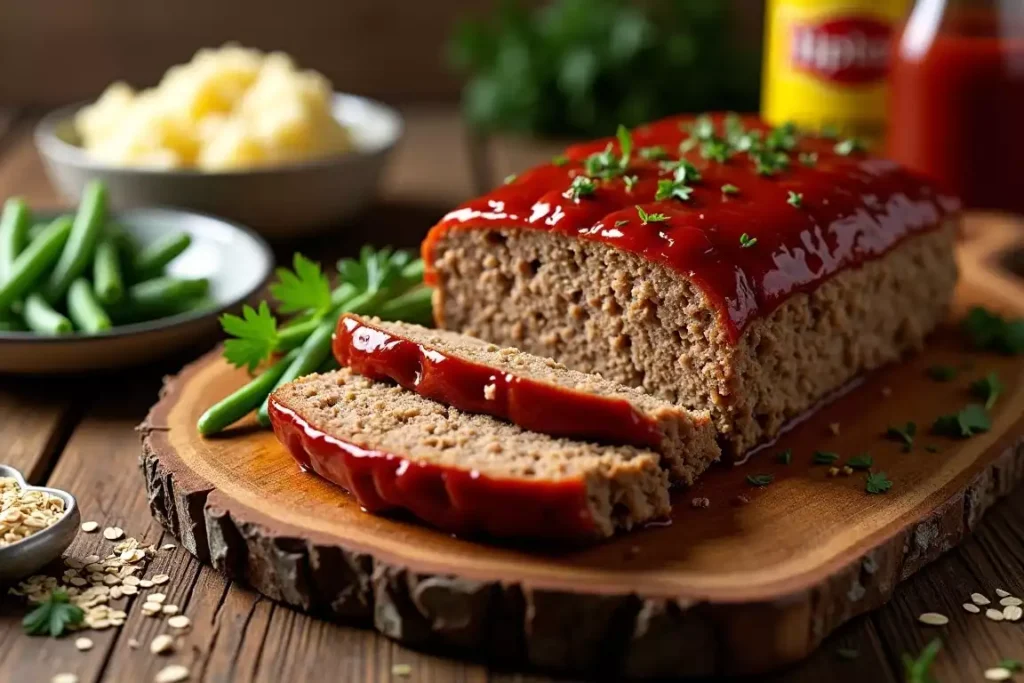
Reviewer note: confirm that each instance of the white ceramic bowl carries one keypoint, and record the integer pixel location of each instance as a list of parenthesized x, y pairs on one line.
[(28, 555), (237, 262), (279, 202)]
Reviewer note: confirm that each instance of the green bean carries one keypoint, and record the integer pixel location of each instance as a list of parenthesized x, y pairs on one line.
[(42, 319), (13, 233), (328, 365), (247, 399), (32, 264), (84, 309), (162, 296), (12, 322), (106, 272), (151, 260), (37, 229), (314, 351), (85, 233), (413, 306)]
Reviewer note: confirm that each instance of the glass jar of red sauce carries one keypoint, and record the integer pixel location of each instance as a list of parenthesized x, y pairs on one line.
[(956, 99)]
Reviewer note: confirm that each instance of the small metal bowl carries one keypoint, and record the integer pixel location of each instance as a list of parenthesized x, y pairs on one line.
[(28, 555), (277, 201)]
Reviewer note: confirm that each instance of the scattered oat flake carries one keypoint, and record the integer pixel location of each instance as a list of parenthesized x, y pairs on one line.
[(83, 644), (933, 619), (1008, 601), (64, 678), (998, 674), (1001, 593), (971, 607), (168, 546), (145, 583), (994, 614), (90, 527), (156, 597), (133, 643), (979, 599), (161, 579), (1013, 612), (181, 621), (162, 644), (700, 503), (175, 673), (401, 670), (113, 533), (169, 609)]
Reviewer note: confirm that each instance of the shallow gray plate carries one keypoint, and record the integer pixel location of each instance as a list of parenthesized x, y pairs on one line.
[(237, 262), (30, 554), (279, 201)]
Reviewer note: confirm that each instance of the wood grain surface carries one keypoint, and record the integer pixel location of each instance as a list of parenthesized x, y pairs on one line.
[(238, 635)]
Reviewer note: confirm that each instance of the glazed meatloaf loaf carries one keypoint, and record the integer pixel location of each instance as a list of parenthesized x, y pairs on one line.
[(716, 262), (534, 393), (393, 449)]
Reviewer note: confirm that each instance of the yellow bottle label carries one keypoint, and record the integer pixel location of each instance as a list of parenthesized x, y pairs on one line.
[(826, 63)]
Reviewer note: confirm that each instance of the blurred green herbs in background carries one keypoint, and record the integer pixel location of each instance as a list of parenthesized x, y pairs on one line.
[(580, 67)]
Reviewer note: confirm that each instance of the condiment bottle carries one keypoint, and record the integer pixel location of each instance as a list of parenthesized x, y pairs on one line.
[(826, 63), (956, 107)]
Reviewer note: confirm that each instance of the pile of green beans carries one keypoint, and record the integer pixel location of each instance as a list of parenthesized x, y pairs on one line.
[(82, 273)]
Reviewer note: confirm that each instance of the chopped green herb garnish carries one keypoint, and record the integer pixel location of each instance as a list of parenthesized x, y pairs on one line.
[(671, 189), (904, 433), (560, 160), (716, 149), (877, 482), (760, 479), (510, 178), (849, 146), (862, 461), (607, 164), (682, 170), (630, 181), (825, 457), (653, 153), (620, 223), (1011, 664), (973, 419), (782, 137), (988, 389), (689, 144), (829, 131), (729, 188), (795, 199), (625, 144), (582, 186), (768, 162), (702, 128), (942, 373), (646, 218), (808, 158), (785, 457), (919, 670), (991, 332), (847, 653), (53, 615), (746, 241)]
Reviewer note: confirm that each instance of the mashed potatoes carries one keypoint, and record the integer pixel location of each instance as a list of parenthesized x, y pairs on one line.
[(231, 108)]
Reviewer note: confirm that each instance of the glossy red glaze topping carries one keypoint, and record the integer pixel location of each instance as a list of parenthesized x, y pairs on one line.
[(448, 498), (534, 405), (852, 208)]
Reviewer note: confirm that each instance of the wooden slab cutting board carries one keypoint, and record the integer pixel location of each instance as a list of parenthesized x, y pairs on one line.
[(752, 582)]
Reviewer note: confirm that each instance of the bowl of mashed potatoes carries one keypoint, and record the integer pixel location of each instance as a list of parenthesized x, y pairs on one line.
[(234, 132)]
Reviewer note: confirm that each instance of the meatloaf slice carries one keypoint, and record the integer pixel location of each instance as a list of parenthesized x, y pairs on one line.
[(462, 473), (538, 394)]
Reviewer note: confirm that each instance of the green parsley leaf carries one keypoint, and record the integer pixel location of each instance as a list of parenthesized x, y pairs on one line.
[(581, 186), (768, 162), (255, 335), (307, 289), (560, 160), (1011, 664), (620, 223), (991, 332), (877, 482), (785, 457), (630, 181), (746, 241), (904, 433), (782, 137), (849, 146), (729, 188), (688, 144), (825, 457), (625, 144), (973, 419), (795, 199), (808, 158), (702, 128), (716, 149), (862, 461), (53, 615), (988, 389), (682, 170), (670, 189), (646, 218), (654, 153), (847, 653), (919, 670), (942, 373), (510, 178), (760, 479)]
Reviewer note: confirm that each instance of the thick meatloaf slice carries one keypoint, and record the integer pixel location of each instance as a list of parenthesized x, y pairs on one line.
[(460, 472), (535, 393), (759, 295)]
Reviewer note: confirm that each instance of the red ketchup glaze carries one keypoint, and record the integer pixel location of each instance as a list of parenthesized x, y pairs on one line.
[(531, 404), (448, 498), (854, 208)]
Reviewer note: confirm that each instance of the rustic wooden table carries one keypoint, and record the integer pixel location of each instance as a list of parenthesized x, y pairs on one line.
[(78, 434)]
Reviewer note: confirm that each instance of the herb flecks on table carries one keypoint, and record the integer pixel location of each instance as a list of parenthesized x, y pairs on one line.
[(861, 461), (785, 457), (877, 482), (53, 616), (989, 331), (904, 433), (942, 373), (825, 457), (973, 419), (760, 480), (988, 389), (918, 669)]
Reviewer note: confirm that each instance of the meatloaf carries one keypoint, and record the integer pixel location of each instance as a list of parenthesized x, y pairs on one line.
[(393, 449), (716, 262), (537, 394)]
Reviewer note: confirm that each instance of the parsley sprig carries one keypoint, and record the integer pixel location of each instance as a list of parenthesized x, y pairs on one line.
[(646, 218), (918, 670), (53, 616), (581, 186), (877, 482), (607, 164), (992, 332), (988, 389), (973, 419), (904, 433)]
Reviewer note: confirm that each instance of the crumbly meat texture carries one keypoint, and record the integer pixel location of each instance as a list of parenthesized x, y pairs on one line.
[(598, 309), (626, 486), (688, 438)]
